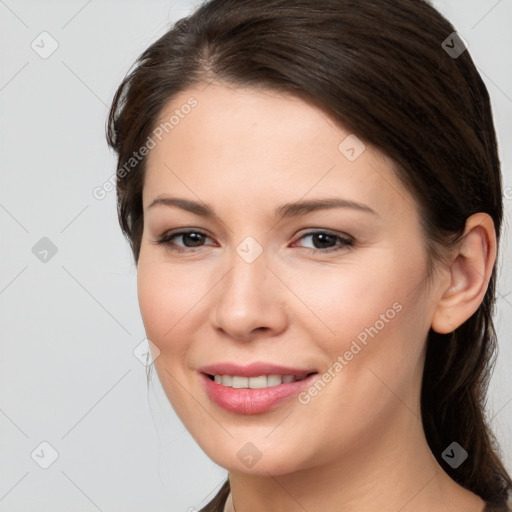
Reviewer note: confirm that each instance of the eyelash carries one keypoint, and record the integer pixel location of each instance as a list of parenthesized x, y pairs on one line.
[(167, 240)]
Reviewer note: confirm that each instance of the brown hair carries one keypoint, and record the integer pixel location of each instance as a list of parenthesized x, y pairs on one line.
[(381, 68)]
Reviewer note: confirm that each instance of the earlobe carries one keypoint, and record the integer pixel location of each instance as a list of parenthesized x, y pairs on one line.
[(469, 275)]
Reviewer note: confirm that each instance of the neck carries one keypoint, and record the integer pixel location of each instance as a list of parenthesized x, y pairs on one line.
[(392, 469)]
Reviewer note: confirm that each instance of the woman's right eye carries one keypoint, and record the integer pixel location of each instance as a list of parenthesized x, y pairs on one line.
[(168, 240)]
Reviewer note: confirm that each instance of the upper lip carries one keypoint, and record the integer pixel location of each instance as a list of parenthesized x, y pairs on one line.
[(253, 369)]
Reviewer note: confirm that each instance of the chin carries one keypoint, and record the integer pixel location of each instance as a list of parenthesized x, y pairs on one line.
[(256, 458)]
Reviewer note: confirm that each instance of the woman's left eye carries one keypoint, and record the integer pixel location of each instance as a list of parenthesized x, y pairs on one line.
[(326, 237), (322, 238)]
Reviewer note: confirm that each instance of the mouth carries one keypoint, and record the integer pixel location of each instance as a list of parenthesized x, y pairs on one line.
[(257, 394), (259, 382)]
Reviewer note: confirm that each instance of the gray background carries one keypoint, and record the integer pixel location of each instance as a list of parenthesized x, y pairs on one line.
[(68, 373)]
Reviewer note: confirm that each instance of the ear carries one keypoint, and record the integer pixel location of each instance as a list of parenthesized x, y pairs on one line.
[(469, 273)]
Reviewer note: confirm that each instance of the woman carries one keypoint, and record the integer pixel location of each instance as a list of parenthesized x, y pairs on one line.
[(349, 373)]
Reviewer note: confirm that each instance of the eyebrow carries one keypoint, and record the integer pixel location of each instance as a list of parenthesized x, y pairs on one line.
[(286, 210)]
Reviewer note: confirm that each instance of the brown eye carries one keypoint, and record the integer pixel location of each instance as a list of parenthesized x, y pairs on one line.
[(323, 241), (190, 239)]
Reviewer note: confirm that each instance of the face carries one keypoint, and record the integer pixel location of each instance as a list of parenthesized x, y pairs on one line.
[(337, 293)]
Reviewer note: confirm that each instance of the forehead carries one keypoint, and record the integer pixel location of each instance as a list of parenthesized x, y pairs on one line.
[(242, 145)]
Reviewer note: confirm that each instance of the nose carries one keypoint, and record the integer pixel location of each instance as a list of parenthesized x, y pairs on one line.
[(250, 301)]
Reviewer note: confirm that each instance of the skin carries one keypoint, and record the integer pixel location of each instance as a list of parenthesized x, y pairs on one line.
[(358, 445)]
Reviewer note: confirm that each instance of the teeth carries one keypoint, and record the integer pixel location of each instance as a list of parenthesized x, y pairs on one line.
[(257, 382), (227, 380), (263, 381), (240, 382), (274, 380)]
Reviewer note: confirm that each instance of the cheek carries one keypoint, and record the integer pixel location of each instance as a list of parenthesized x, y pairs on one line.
[(372, 314), (344, 300), (165, 297), (381, 344), (166, 303), (152, 297)]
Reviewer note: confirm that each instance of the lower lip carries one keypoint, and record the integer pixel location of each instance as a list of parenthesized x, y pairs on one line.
[(253, 401)]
